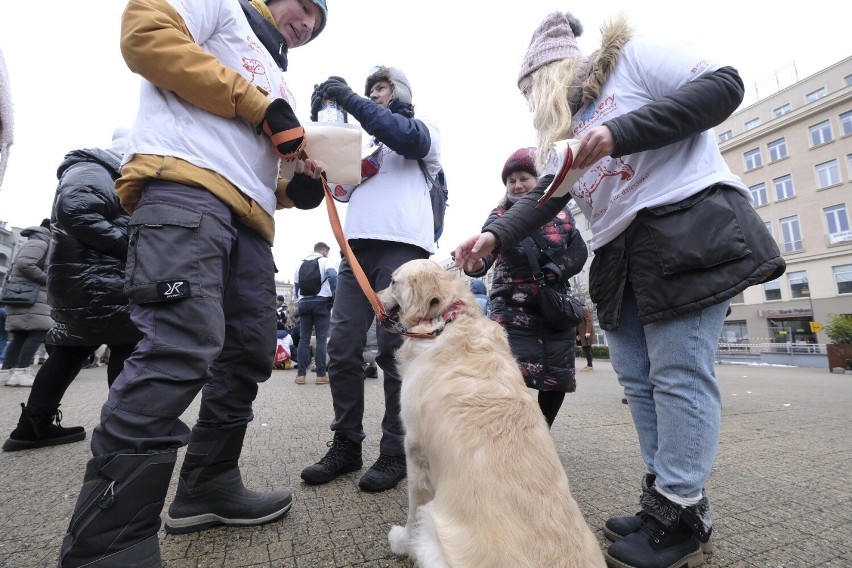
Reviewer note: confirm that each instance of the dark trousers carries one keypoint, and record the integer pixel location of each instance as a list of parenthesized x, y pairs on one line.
[(350, 318), (202, 290), (62, 367), (587, 351), (21, 350), (314, 316)]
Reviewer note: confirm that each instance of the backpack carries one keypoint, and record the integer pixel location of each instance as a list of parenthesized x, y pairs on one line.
[(438, 195), (310, 278)]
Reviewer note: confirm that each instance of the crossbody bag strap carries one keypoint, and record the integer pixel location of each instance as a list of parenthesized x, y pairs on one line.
[(429, 179), (530, 251)]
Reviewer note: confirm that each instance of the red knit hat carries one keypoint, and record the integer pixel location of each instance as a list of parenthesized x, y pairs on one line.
[(520, 160)]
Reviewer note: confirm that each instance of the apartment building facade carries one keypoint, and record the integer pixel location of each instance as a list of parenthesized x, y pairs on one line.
[(793, 149)]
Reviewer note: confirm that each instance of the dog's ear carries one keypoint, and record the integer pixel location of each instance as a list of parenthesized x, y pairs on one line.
[(425, 288)]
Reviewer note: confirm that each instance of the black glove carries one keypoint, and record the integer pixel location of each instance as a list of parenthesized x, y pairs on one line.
[(334, 88), (283, 128), (305, 192)]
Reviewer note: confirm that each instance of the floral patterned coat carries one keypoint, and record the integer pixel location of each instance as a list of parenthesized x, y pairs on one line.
[(545, 357)]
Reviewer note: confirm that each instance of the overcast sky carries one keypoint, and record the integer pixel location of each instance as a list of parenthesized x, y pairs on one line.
[(70, 86)]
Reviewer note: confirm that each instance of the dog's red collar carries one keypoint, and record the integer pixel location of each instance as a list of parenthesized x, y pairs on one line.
[(452, 312)]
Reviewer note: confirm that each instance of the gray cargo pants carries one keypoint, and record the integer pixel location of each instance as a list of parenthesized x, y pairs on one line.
[(203, 293)]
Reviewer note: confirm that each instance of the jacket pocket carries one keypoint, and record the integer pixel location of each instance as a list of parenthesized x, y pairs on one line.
[(696, 233)]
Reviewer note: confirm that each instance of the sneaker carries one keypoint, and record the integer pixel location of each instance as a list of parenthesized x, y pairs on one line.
[(385, 474), (342, 457), (587, 368), (322, 379), (21, 377), (300, 379), (371, 372)]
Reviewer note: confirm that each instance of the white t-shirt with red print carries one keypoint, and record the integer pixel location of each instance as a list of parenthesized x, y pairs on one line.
[(611, 192)]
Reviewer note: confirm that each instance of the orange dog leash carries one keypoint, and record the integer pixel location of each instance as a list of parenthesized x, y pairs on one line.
[(385, 320)]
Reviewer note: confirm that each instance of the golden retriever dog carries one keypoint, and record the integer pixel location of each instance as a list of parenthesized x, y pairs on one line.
[(485, 484)]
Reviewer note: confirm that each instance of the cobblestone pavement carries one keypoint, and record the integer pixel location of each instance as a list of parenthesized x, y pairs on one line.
[(780, 488)]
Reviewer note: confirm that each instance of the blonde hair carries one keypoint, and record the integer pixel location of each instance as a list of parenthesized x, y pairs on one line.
[(548, 98)]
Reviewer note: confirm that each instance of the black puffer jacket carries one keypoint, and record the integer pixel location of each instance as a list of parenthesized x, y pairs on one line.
[(85, 284)]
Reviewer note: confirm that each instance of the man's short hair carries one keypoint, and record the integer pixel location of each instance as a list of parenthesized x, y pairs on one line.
[(321, 247)]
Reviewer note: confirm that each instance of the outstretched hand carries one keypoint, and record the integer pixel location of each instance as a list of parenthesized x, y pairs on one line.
[(468, 254)]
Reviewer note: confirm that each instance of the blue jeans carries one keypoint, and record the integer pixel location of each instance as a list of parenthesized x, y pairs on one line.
[(667, 371), (314, 316)]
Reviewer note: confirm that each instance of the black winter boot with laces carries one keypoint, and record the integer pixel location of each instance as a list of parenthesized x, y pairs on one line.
[(617, 528), (39, 429), (668, 535), (343, 456), (385, 474)]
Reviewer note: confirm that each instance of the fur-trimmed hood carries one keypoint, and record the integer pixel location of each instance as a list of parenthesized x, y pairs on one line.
[(599, 65)]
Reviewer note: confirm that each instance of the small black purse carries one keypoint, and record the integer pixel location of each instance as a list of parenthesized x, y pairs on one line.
[(560, 308)]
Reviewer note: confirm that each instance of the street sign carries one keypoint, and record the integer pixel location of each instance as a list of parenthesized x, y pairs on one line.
[(816, 327)]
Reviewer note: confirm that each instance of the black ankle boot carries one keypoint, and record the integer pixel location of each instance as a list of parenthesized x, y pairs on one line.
[(117, 516), (666, 537), (41, 429), (210, 489), (617, 528)]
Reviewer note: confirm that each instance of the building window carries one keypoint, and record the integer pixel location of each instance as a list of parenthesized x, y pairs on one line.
[(837, 222), (782, 110), (777, 149), (726, 135), (758, 195), (827, 174), (847, 80), (798, 284), (772, 291), (753, 159), (753, 123), (846, 123), (849, 162), (783, 187), (820, 133), (843, 278), (734, 332), (815, 95), (768, 225), (792, 234)]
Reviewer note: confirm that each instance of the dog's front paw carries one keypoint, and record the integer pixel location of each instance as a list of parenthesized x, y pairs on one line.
[(398, 539)]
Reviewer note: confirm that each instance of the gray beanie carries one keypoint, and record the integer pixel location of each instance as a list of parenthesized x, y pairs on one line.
[(553, 40), (401, 88)]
